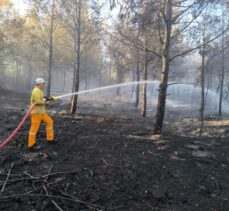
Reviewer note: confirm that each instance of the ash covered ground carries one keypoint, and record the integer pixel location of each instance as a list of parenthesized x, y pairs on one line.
[(105, 158)]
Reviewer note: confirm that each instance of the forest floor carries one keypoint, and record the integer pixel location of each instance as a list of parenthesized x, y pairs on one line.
[(105, 158)]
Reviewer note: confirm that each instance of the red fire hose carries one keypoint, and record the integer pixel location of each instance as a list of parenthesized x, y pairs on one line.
[(18, 127)]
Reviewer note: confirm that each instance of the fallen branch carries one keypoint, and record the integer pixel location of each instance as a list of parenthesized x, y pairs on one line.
[(154, 153), (69, 198), (50, 169), (8, 175), (57, 206), (106, 162), (78, 200), (31, 177), (109, 164), (48, 175)]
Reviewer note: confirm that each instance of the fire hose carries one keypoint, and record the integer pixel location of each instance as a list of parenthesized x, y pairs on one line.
[(18, 127), (22, 122)]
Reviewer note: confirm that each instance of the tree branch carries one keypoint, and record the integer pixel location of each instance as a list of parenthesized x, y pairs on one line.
[(199, 46)]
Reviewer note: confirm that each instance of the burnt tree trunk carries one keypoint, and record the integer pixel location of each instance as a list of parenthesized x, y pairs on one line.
[(138, 63), (17, 73), (137, 79), (85, 71), (119, 82), (30, 76), (50, 52), (145, 77), (133, 87), (202, 84), (64, 82), (119, 74), (2, 78), (110, 71), (165, 68), (100, 72), (222, 68), (74, 99)]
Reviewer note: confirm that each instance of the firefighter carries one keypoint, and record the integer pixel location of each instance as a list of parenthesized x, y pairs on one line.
[(38, 114)]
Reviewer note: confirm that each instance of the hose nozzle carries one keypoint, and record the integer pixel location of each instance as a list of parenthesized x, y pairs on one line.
[(53, 98)]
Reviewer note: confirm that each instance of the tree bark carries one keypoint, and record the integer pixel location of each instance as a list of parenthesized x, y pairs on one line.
[(100, 71), (3, 78), (110, 71), (222, 69), (64, 81), (119, 74), (137, 79), (74, 99), (85, 71), (144, 100), (133, 87), (138, 62), (30, 76), (165, 68), (202, 83), (48, 91), (17, 73)]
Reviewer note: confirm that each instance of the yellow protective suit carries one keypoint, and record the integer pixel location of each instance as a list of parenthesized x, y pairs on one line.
[(39, 115)]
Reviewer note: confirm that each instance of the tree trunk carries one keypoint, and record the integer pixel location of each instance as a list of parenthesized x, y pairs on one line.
[(165, 69), (137, 79), (222, 69), (17, 74), (119, 76), (110, 71), (30, 77), (64, 81), (50, 52), (119, 81), (138, 61), (3, 78), (202, 83), (144, 100), (100, 72), (133, 87), (85, 71), (74, 99)]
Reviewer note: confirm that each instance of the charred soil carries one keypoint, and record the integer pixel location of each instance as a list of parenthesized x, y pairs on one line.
[(107, 163)]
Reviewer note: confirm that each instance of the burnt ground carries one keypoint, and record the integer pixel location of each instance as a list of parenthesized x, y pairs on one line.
[(107, 162)]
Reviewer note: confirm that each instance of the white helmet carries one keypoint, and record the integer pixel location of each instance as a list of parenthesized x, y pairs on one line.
[(39, 81)]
